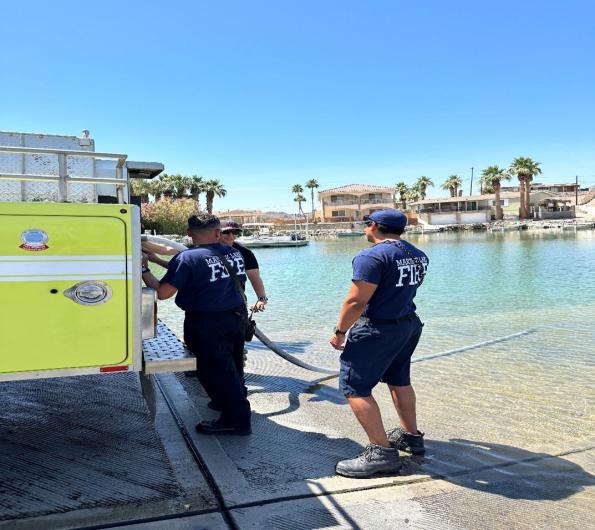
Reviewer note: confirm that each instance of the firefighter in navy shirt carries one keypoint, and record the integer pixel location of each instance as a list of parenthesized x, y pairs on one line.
[(229, 231), (215, 319), (384, 333)]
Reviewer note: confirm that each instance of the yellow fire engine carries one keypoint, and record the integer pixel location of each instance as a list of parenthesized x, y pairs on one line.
[(70, 260)]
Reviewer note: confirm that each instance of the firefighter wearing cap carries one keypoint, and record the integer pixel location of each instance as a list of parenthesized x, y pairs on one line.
[(215, 319), (229, 231), (384, 330)]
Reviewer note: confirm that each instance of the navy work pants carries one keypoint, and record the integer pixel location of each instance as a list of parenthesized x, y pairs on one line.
[(217, 341)]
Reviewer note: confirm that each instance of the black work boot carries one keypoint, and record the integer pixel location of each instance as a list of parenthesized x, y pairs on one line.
[(375, 460), (214, 406), (405, 441), (221, 427)]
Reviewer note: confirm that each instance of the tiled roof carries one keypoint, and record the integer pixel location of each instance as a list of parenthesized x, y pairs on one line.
[(360, 188)]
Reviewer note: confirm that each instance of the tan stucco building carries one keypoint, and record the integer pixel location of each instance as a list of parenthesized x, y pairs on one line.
[(352, 202), (481, 208)]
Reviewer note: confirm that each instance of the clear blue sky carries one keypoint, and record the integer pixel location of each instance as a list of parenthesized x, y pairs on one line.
[(264, 94)]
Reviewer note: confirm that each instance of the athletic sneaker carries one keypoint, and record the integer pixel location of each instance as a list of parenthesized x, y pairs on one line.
[(375, 460), (405, 441)]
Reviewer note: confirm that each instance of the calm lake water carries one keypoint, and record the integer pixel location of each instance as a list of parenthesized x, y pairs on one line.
[(479, 286)]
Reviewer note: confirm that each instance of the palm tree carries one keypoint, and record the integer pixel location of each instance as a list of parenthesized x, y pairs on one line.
[(401, 188), (299, 198), (447, 185), (141, 188), (195, 186), (491, 177), (412, 195), (421, 184), (179, 184), (297, 189), (160, 187), (312, 183), (166, 185), (457, 182), (452, 184), (211, 188), (524, 168)]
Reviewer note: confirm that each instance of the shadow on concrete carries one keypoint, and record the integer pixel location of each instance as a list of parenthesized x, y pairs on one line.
[(500, 469), (294, 387), (280, 461)]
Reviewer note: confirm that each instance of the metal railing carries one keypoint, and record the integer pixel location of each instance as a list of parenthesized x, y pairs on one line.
[(62, 178), (361, 202), (454, 210)]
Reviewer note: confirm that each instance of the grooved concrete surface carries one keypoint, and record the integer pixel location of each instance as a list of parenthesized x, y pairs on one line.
[(83, 452), (79, 444), (489, 464)]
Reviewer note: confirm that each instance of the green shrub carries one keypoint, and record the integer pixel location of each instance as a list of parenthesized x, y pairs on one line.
[(168, 216)]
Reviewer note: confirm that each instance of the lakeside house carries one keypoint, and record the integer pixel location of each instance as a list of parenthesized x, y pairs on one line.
[(254, 216), (354, 201), (569, 187), (476, 209)]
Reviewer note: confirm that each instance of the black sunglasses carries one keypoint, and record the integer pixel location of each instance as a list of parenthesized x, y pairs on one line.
[(368, 222)]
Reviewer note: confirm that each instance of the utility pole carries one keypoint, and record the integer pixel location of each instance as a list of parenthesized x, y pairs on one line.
[(575, 194), (471, 189)]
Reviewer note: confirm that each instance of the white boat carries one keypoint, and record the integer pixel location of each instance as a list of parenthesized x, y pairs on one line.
[(260, 235), (578, 226), (264, 241), (350, 233), (424, 228), (504, 228)]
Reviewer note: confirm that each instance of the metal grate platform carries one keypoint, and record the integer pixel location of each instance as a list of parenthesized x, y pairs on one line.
[(166, 353)]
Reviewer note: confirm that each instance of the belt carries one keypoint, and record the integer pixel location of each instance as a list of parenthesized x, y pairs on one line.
[(241, 309), (374, 321)]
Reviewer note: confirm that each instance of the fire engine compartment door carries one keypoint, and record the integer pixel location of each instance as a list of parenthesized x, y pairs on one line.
[(41, 328)]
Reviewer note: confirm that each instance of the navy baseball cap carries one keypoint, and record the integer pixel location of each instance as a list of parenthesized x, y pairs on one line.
[(389, 219), (231, 226)]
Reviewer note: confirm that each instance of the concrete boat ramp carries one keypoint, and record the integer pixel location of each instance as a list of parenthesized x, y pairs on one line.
[(85, 453)]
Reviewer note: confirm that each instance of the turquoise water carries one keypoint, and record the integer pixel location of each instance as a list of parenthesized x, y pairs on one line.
[(479, 286)]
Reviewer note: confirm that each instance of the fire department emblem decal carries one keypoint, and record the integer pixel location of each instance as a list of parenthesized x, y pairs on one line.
[(34, 240)]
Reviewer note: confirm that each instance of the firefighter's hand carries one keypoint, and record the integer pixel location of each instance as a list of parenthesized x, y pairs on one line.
[(337, 341), (145, 259), (258, 307), (151, 256)]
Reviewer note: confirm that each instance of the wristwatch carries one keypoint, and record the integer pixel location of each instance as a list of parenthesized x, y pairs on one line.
[(144, 269), (263, 299), (340, 332)]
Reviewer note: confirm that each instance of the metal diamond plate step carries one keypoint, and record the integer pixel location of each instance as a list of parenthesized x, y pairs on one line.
[(166, 353)]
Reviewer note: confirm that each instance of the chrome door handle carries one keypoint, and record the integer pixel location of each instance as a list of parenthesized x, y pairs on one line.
[(89, 293)]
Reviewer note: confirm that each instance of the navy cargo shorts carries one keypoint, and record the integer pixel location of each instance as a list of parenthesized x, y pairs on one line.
[(378, 352)]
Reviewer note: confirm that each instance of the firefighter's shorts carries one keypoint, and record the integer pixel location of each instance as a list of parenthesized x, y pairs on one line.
[(377, 353)]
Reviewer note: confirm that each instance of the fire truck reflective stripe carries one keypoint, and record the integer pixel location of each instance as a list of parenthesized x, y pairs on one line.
[(44, 257), (52, 268), (79, 278)]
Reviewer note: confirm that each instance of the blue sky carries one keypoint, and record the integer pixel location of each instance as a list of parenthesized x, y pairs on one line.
[(265, 94)]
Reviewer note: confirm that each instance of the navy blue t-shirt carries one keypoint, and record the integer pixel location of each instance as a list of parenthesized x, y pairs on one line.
[(202, 281), (392, 266)]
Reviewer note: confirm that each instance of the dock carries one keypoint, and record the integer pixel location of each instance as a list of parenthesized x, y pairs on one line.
[(88, 453)]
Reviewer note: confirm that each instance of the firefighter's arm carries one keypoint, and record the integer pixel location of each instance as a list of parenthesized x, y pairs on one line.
[(164, 290), (153, 258), (258, 286), (159, 248), (353, 307)]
